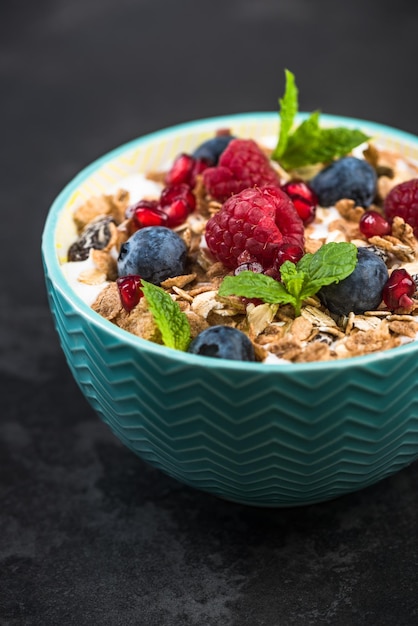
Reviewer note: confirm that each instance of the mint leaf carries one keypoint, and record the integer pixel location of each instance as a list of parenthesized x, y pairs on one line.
[(309, 143), (170, 319), (303, 144), (288, 110), (341, 140), (292, 279), (330, 264), (251, 285)]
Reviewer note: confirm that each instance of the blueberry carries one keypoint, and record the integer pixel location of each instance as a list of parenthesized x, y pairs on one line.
[(346, 178), (223, 342), (155, 253), (212, 149), (362, 290)]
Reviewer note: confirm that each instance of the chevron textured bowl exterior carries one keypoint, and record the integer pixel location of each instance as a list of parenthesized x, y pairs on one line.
[(258, 434)]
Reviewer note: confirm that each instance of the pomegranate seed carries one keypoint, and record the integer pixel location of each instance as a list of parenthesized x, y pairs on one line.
[(181, 171), (200, 166), (177, 201), (173, 192), (289, 252), (130, 291), (146, 204), (149, 217), (301, 189), (147, 213), (306, 211), (176, 212), (304, 199), (373, 224), (399, 290)]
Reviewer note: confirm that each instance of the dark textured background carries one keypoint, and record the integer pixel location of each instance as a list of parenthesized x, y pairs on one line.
[(89, 534)]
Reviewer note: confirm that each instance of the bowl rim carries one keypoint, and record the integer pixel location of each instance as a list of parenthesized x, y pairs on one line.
[(56, 276)]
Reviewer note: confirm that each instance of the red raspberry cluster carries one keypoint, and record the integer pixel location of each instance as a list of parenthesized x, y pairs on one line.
[(402, 201), (241, 165), (253, 226)]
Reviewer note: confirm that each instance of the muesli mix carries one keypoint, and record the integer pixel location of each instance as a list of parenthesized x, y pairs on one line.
[(307, 252)]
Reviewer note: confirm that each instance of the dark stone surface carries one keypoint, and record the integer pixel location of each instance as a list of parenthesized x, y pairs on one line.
[(89, 534)]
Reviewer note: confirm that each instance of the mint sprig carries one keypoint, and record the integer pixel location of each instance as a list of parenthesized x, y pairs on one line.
[(288, 109), (309, 144), (330, 264), (170, 319)]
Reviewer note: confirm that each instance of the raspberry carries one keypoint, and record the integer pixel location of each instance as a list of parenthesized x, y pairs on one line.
[(252, 226), (402, 201), (241, 165)]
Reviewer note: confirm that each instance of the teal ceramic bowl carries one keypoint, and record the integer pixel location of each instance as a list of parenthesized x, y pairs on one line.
[(258, 434)]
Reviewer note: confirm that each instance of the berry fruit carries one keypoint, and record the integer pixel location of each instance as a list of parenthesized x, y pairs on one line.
[(399, 290), (289, 252), (146, 213), (130, 291), (361, 291), (402, 201), (373, 224), (303, 198), (253, 225), (177, 202), (184, 169), (181, 170), (155, 253), (348, 177), (210, 150), (241, 165), (223, 342)]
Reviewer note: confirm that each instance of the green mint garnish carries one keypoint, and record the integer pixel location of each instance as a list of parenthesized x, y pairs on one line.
[(288, 109), (170, 319), (309, 144), (330, 264)]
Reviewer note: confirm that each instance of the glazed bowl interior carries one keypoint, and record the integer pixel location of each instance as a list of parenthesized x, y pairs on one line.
[(260, 434)]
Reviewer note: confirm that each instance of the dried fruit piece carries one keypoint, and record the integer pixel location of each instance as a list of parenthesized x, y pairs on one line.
[(95, 235)]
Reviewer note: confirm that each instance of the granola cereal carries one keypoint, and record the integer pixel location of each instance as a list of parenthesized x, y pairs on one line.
[(278, 335)]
